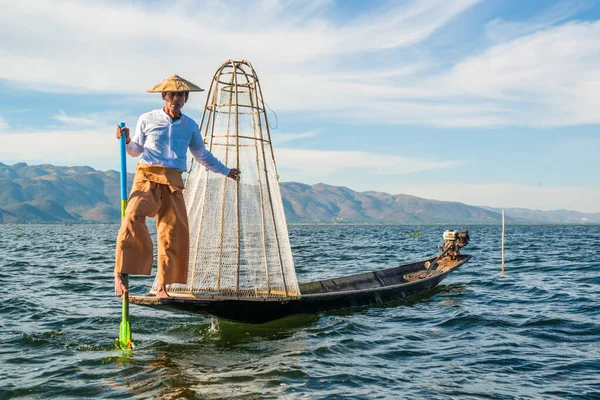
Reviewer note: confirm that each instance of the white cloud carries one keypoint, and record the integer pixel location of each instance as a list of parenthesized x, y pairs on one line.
[(544, 79), (303, 53), (75, 121), (584, 199), (363, 171), (500, 30), (282, 137), (96, 147), (120, 47), (324, 163), (3, 124), (538, 74), (89, 120)]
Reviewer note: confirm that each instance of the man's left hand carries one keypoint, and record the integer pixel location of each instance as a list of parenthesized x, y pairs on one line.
[(234, 174)]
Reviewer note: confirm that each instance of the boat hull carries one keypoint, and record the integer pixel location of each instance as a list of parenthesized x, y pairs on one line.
[(370, 288)]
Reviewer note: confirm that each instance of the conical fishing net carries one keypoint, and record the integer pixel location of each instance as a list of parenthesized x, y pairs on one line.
[(239, 242)]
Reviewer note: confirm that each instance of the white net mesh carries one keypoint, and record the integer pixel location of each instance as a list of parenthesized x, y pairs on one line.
[(239, 242)]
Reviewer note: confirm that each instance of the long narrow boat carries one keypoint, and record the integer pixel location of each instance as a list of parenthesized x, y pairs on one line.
[(369, 288)]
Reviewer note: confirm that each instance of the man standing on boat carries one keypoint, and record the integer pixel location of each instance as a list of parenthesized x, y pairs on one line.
[(162, 137)]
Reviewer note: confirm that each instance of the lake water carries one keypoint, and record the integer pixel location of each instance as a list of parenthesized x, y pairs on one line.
[(534, 334)]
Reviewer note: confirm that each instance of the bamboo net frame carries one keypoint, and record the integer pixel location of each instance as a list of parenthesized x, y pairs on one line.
[(239, 243)]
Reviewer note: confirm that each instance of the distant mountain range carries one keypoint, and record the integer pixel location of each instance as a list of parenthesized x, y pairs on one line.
[(54, 194)]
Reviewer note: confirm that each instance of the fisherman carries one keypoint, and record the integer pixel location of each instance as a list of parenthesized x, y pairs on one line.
[(162, 137)]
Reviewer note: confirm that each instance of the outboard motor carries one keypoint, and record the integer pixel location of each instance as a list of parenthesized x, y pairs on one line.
[(453, 242)]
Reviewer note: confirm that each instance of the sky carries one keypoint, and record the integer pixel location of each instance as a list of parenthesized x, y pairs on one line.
[(483, 102)]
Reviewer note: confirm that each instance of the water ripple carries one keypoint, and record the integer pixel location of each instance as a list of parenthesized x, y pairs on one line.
[(531, 334)]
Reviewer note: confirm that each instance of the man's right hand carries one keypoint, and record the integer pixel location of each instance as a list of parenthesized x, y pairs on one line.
[(120, 133)]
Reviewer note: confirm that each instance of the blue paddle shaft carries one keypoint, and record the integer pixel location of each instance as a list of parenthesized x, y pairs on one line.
[(123, 145), (125, 327)]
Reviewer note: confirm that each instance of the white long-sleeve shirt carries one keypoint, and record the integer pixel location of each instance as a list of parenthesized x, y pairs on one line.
[(164, 142)]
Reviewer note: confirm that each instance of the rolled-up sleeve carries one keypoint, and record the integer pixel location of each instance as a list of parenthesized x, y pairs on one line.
[(205, 157), (135, 147)]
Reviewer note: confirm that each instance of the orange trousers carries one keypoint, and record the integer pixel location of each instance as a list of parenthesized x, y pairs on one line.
[(156, 191)]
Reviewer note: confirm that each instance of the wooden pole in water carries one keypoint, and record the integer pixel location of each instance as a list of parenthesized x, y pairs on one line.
[(502, 242)]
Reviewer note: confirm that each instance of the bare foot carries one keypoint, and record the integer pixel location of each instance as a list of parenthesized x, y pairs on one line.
[(161, 293), (120, 287)]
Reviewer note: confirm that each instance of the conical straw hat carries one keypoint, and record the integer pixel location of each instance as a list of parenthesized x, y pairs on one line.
[(175, 83)]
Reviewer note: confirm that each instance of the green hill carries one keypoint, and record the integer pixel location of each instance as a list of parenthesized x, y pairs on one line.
[(326, 203), (48, 193), (54, 194)]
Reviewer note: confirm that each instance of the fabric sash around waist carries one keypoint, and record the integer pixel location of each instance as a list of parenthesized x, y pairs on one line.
[(160, 175)]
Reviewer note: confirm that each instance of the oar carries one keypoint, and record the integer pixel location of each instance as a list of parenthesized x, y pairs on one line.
[(125, 342)]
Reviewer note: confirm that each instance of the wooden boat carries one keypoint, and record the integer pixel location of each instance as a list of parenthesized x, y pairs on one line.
[(369, 288)]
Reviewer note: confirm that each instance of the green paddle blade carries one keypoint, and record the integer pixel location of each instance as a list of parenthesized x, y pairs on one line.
[(125, 336), (124, 342)]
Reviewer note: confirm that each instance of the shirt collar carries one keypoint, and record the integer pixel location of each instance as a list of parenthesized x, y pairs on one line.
[(174, 119)]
